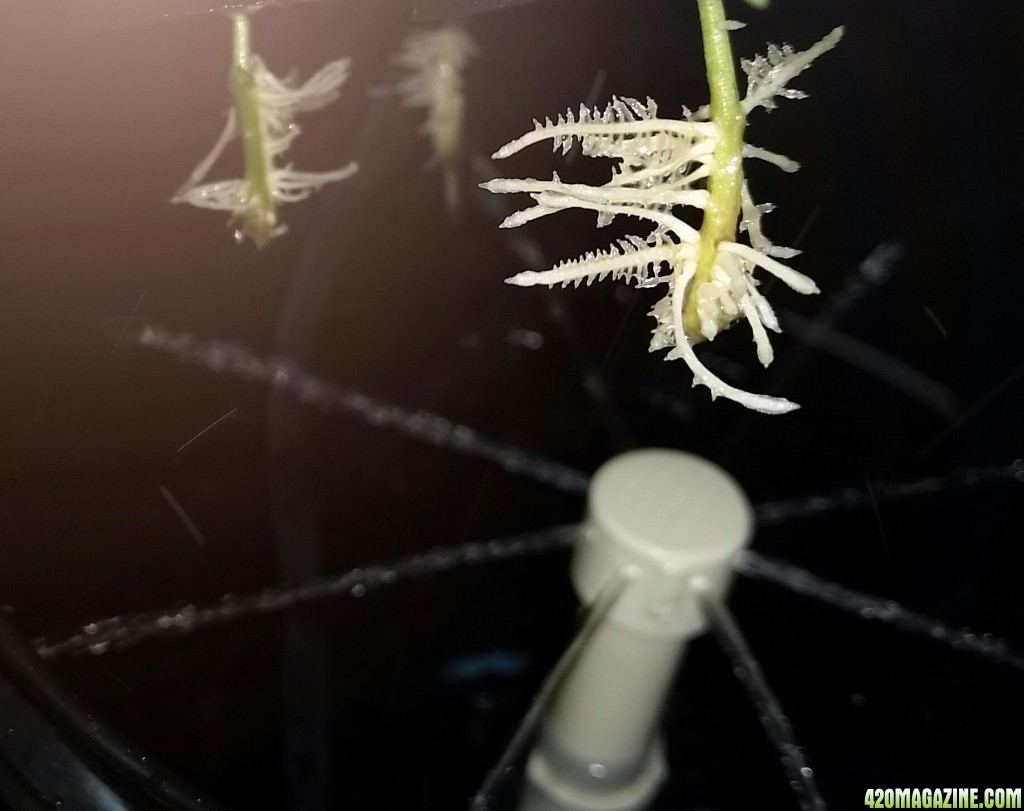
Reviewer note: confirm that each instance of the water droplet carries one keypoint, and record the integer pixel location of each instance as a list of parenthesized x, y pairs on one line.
[(358, 590), (526, 338), (597, 770)]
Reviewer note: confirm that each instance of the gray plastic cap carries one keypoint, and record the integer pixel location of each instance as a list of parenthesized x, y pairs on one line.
[(675, 522)]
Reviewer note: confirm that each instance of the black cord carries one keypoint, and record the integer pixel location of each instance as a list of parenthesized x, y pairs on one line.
[(71, 720)]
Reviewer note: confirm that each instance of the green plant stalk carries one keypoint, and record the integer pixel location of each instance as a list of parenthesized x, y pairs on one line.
[(250, 125), (726, 179)]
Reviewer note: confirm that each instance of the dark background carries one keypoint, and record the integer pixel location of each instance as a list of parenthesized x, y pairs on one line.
[(907, 140)]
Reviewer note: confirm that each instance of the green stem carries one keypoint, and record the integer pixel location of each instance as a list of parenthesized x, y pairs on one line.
[(250, 125), (725, 182)]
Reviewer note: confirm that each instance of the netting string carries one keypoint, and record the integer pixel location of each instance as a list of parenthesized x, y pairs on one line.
[(523, 735), (118, 633), (222, 356), (769, 711), (876, 609), (771, 513)]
